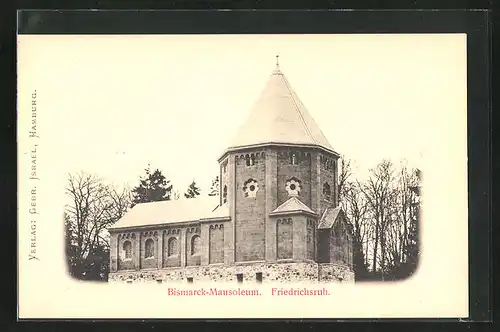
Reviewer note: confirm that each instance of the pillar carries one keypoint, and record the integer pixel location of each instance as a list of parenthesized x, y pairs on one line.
[(137, 253), (316, 182), (183, 246), (159, 250), (299, 236), (113, 252), (205, 243), (271, 203), (229, 228)]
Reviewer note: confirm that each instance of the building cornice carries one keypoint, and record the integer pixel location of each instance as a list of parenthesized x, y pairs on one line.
[(173, 224), (276, 144), (294, 212)]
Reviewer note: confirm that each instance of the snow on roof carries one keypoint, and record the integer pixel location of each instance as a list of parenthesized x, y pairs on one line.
[(293, 204), (173, 211)]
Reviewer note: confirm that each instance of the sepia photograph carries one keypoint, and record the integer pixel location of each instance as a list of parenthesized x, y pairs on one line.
[(283, 205), (298, 168)]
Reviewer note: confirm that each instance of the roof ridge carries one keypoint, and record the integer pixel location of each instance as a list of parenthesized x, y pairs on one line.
[(292, 95), (301, 205)]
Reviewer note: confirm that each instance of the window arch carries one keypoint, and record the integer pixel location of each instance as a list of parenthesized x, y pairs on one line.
[(173, 247), (195, 244), (224, 194), (327, 192), (127, 248), (150, 248)]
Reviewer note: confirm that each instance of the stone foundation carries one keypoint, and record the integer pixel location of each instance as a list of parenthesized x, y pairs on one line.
[(277, 272), (335, 273)]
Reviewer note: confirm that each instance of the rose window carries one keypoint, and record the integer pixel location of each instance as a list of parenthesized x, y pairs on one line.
[(250, 187), (293, 187)]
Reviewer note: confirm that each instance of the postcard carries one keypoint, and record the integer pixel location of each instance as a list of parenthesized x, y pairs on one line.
[(242, 176)]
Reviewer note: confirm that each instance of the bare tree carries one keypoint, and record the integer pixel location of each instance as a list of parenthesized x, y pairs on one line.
[(176, 194), (379, 194), (215, 187), (92, 209), (344, 176), (383, 213), (355, 206)]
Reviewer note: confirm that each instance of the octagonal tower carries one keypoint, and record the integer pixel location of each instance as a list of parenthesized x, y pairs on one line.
[(278, 177)]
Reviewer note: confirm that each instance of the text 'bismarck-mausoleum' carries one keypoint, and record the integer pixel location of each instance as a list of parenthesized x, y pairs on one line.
[(276, 218)]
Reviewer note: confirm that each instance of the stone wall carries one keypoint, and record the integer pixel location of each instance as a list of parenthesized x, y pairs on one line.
[(223, 179), (149, 262), (335, 273), (193, 250), (311, 242), (300, 171), (124, 263), (328, 164), (271, 272), (284, 238), (216, 239), (250, 208), (171, 249)]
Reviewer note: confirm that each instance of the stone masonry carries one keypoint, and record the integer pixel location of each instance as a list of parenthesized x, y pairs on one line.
[(276, 217)]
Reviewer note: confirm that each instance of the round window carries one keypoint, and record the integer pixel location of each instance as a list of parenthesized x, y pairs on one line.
[(293, 187), (250, 187)]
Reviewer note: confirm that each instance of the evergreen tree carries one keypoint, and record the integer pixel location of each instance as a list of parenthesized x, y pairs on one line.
[(153, 187), (192, 190), (214, 188)]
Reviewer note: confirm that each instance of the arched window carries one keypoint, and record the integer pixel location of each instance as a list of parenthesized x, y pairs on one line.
[(294, 158), (327, 191), (195, 245), (247, 159), (173, 247), (150, 249), (224, 194), (252, 159), (127, 248)]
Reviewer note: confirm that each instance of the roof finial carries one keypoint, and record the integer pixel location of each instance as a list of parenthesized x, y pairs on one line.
[(277, 61)]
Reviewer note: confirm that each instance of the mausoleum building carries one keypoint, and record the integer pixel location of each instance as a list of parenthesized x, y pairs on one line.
[(277, 216)]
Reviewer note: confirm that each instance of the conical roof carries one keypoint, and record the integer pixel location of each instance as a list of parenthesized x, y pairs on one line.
[(279, 117)]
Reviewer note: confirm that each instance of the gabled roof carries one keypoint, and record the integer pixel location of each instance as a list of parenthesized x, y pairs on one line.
[(279, 117), (329, 217), (173, 211), (293, 204)]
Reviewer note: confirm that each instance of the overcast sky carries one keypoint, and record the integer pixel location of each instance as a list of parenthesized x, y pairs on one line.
[(117, 103)]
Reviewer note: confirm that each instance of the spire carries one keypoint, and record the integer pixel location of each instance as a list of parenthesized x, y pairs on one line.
[(277, 69), (279, 117)]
